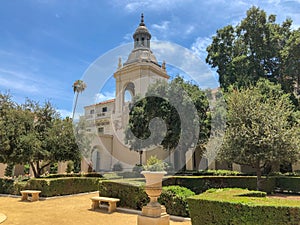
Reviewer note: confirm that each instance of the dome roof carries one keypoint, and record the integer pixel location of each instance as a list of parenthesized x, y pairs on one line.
[(141, 55), (141, 51)]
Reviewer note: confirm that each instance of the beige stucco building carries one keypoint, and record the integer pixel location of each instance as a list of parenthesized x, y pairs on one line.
[(109, 119)]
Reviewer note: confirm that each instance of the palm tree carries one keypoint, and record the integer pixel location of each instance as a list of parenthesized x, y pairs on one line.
[(78, 87)]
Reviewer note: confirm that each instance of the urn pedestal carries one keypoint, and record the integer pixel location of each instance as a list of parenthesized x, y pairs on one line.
[(153, 213)]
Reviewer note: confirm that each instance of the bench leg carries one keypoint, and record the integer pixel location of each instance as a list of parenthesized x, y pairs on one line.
[(95, 204), (112, 207), (35, 197), (24, 197)]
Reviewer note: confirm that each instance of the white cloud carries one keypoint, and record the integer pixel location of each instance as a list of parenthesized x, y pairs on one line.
[(152, 5), (200, 45), (100, 97), (15, 84), (163, 26), (64, 113)]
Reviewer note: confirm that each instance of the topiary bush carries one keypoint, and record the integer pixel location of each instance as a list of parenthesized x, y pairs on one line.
[(229, 206), (132, 195), (174, 199)]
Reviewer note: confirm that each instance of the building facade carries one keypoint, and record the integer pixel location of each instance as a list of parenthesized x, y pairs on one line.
[(109, 119)]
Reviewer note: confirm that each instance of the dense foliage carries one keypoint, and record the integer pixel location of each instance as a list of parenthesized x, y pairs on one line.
[(262, 127), (35, 134), (184, 110), (255, 48)]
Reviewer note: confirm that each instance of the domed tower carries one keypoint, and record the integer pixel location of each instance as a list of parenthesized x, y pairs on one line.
[(139, 71), (142, 36)]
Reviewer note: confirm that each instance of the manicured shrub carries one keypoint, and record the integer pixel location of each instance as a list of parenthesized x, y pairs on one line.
[(227, 206), (62, 175), (117, 167), (63, 186), (199, 184), (288, 184), (138, 168), (129, 174), (132, 195), (70, 167), (210, 173), (174, 199), (6, 186)]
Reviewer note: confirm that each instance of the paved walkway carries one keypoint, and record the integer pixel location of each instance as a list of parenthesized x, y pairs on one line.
[(75, 210)]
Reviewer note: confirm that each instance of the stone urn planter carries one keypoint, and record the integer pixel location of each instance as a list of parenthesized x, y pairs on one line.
[(153, 213), (153, 186)]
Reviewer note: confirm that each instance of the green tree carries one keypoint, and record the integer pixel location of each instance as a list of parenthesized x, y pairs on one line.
[(14, 125), (261, 127), (177, 104), (34, 134), (291, 62), (251, 50), (51, 139)]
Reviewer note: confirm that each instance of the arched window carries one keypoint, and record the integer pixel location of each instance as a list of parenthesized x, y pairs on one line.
[(129, 92)]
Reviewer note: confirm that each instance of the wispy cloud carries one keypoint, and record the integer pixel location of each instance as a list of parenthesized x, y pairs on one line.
[(200, 45), (163, 26), (153, 5), (64, 113), (100, 97)]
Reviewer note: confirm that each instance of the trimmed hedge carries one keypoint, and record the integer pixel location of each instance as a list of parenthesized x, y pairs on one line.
[(174, 199), (62, 175), (132, 195), (289, 184), (199, 184), (63, 186), (226, 206), (210, 173), (6, 186)]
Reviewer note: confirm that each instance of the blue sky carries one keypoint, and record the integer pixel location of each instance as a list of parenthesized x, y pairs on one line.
[(45, 45)]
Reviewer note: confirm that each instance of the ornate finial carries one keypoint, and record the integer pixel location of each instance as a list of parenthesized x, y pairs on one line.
[(163, 66), (120, 63), (142, 20)]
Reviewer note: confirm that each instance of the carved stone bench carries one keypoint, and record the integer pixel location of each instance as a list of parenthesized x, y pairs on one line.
[(96, 201), (34, 195)]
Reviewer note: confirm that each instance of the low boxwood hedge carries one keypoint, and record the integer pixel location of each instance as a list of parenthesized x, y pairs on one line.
[(132, 195), (227, 206), (63, 186), (174, 199), (288, 184), (63, 175), (6, 186), (199, 184)]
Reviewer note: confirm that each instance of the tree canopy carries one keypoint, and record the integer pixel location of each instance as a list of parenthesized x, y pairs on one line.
[(35, 134), (262, 127), (174, 115), (255, 48)]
